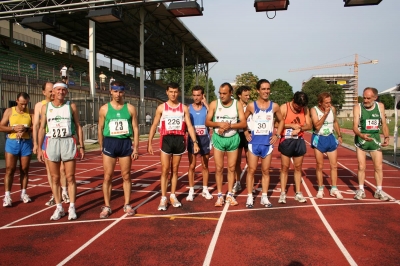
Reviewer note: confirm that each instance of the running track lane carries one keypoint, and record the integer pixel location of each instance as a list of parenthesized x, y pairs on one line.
[(321, 231)]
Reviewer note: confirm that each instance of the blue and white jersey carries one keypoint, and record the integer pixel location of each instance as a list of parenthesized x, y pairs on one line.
[(262, 125)]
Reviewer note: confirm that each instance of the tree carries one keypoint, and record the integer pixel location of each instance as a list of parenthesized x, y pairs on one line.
[(202, 82), (317, 85), (387, 100), (360, 99), (247, 79), (175, 75), (281, 91)]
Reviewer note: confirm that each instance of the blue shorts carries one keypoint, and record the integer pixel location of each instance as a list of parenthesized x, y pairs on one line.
[(324, 143), (116, 147), (19, 147), (261, 150), (204, 145)]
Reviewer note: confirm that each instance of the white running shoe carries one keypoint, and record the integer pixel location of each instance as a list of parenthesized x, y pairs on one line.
[(175, 202), (71, 213), (65, 197), (250, 202), (282, 198), (300, 198), (58, 213), (190, 196), (25, 198), (51, 202), (7, 202), (336, 193), (206, 194), (265, 201), (163, 204), (320, 194)]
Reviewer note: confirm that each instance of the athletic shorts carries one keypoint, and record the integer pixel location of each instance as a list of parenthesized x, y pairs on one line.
[(261, 150), (117, 148), (373, 145), (60, 149), (324, 143), (224, 143), (19, 147), (173, 144), (293, 147), (243, 141), (204, 145)]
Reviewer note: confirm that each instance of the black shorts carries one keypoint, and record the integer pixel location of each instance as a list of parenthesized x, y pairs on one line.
[(115, 147), (204, 145), (173, 144), (293, 147), (243, 141)]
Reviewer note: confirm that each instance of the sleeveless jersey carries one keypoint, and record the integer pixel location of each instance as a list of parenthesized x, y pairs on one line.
[(173, 120), (292, 118), (20, 119), (263, 125), (327, 128), (226, 114), (60, 122), (198, 119), (118, 123), (370, 120)]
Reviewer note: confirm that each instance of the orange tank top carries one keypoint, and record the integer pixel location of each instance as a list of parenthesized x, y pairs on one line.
[(293, 118)]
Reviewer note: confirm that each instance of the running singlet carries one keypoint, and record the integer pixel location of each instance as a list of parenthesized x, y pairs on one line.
[(173, 120), (292, 118), (198, 119), (226, 114), (20, 119), (118, 123), (370, 120), (327, 128), (263, 125), (59, 121)]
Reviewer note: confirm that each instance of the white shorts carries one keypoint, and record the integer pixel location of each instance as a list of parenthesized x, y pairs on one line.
[(60, 149)]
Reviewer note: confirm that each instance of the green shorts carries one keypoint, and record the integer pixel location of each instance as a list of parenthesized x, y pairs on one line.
[(373, 145), (224, 143)]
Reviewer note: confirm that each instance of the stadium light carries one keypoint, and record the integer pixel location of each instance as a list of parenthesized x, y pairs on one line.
[(270, 5), (39, 22), (361, 2), (105, 15), (185, 9)]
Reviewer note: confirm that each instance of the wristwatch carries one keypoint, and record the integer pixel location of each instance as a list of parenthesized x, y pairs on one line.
[(278, 136), (195, 142)]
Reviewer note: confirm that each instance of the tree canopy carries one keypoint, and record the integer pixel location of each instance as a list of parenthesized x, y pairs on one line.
[(202, 82), (281, 91), (317, 85), (248, 79), (175, 75), (387, 100)]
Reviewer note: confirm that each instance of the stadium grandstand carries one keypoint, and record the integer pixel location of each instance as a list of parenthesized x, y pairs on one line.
[(27, 60)]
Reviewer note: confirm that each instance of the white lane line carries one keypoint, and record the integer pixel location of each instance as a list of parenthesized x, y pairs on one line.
[(76, 252)]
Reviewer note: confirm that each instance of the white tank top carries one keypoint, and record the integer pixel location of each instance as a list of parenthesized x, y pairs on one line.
[(59, 121), (327, 128), (226, 114)]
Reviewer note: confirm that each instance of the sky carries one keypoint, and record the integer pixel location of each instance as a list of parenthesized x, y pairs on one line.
[(309, 33)]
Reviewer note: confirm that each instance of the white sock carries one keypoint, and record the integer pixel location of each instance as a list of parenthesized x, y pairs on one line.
[(163, 197), (64, 189), (205, 188), (379, 188), (250, 195), (265, 194), (23, 192), (59, 206), (361, 187), (191, 190), (172, 196), (7, 193), (72, 205)]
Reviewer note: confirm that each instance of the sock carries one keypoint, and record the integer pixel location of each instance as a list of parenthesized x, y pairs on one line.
[(250, 195), (23, 192), (283, 193), (238, 182), (7, 193), (265, 194), (72, 205), (205, 188), (334, 187), (59, 206), (163, 197), (320, 188), (379, 188), (191, 190), (361, 187), (64, 189), (172, 195), (219, 194), (230, 194)]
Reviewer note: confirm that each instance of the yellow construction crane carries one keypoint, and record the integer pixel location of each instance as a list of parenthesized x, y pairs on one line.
[(355, 64)]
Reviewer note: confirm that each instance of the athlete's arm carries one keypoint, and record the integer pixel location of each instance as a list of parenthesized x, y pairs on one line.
[(190, 128), (210, 114), (318, 122), (278, 121), (356, 122), (41, 133), (249, 111), (135, 128), (79, 132), (153, 128), (243, 122), (385, 128), (100, 127), (336, 126), (35, 129), (4, 127)]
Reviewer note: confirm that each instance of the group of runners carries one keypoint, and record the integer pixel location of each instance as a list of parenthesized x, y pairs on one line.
[(227, 125)]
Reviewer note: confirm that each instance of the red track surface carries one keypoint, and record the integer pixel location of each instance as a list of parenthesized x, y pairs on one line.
[(320, 232)]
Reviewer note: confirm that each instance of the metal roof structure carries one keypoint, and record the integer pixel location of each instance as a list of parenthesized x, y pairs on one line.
[(164, 33)]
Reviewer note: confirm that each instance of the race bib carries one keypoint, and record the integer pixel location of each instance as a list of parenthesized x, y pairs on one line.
[(201, 130), (261, 127), (173, 123), (288, 134), (61, 130), (118, 127), (372, 124)]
